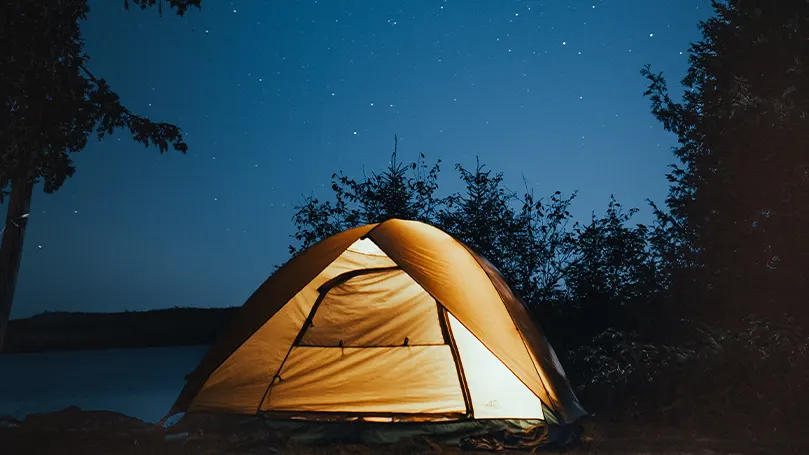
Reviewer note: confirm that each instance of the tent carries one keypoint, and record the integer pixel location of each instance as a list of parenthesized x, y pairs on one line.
[(389, 322)]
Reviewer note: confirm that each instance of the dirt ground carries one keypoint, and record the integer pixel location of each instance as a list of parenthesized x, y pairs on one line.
[(73, 431)]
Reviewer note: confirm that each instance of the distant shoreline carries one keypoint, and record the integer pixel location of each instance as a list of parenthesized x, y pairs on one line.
[(65, 331)]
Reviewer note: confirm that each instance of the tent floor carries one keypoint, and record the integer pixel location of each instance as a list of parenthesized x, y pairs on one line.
[(477, 434), (385, 433)]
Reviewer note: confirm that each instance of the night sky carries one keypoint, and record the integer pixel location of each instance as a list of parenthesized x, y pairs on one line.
[(276, 96)]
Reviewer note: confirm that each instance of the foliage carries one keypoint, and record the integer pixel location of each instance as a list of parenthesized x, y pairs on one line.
[(482, 216), (614, 281), (375, 198), (717, 377), (52, 102), (619, 360), (741, 193), (182, 6), (524, 237)]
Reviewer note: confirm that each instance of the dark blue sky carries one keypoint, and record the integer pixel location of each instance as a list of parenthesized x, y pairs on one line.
[(276, 96)]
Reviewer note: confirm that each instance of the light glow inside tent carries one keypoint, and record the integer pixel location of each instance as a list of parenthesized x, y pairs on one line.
[(366, 246), (494, 390)]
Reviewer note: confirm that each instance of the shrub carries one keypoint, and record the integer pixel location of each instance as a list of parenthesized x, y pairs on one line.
[(718, 380)]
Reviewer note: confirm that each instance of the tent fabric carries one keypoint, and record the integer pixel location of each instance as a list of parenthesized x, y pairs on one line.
[(495, 392), (240, 382), (412, 380), (264, 303), (382, 308), (396, 318), (446, 269), (560, 394)]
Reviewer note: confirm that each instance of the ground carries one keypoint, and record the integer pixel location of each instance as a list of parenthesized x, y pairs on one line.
[(73, 431)]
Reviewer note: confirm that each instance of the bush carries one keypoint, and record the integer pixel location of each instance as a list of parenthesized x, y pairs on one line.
[(755, 378)]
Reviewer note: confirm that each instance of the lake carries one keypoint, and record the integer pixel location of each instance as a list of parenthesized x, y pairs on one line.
[(142, 383)]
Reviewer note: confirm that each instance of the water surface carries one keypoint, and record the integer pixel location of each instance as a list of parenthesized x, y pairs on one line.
[(142, 383)]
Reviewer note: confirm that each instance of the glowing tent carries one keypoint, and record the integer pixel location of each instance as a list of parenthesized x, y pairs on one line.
[(391, 322)]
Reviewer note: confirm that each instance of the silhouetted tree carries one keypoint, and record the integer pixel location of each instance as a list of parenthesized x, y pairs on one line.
[(482, 216), (373, 199), (52, 103), (525, 238), (181, 6), (613, 282), (542, 249), (740, 198)]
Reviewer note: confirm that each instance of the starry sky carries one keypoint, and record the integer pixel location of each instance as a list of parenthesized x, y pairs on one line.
[(276, 96)]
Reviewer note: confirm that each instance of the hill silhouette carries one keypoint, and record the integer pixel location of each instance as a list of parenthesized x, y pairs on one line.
[(60, 331)]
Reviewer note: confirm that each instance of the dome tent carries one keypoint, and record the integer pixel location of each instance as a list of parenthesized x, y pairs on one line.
[(389, 322)]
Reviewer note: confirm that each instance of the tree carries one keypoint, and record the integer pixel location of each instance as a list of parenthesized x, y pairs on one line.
[(740, 196), (52, 103), (375, 198), (614, 282), (543, 249), (482, 216), (525, 238)]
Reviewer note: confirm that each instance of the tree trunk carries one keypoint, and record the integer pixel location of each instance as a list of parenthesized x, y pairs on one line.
[(11, 248)]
